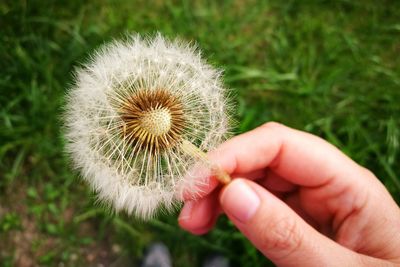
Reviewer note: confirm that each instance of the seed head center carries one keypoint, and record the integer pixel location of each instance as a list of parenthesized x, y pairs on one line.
[(156, 122), (153, 120)]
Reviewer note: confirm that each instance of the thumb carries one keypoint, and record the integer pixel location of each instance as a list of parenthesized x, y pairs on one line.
[(277, 231)]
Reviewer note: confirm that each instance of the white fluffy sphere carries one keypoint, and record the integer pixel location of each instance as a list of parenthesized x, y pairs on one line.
[(128, 113)]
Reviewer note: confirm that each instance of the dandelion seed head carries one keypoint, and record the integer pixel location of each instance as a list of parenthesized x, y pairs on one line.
[(130, 110), (156, 122)]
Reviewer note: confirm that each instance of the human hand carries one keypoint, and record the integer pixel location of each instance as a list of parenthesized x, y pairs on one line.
[(300, 201)]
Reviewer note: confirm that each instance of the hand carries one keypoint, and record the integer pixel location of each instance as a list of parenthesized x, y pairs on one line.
[(300, 201)]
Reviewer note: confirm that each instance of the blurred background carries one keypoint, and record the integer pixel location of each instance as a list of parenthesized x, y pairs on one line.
[(327, 67)]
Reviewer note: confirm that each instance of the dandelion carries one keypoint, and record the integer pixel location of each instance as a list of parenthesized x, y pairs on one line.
[(139, 117)]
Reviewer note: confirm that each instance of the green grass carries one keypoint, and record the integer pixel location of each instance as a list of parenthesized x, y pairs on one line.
[(328, 67)]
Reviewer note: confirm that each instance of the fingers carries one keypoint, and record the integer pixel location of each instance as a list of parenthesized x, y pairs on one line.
[(277, 231), (210, 182), (299, 157), (287, 157), (331, 188), (275, 183), (199, 216)]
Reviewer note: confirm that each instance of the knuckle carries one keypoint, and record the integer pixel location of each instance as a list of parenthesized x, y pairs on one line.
[(367, 173), (272, 125), (370, 177), (281, 235)]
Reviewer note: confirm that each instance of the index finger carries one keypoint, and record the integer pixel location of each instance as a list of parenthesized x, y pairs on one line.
[(299, 157)]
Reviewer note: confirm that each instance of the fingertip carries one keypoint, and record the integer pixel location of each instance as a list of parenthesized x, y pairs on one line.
[(223, 190), (239, 200), (222, 157), (202, 189), (207, 228), (186, 212), (200, 231), (199, 216)]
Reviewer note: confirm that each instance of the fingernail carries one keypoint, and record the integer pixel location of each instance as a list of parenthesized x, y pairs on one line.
[(240, 201), (186, 212)]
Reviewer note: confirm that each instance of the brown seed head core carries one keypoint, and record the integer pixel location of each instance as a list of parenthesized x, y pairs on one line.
[(153, 120)]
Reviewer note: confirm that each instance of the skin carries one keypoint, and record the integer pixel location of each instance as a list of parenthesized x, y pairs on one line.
[(300, 201)]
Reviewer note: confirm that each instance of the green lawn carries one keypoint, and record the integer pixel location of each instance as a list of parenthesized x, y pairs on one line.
[(328, 67)]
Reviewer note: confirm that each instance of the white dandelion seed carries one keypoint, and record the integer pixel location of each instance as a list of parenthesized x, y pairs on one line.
[(138, 118)]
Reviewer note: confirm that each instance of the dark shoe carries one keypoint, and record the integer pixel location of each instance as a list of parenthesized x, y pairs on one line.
[(216, 261), (157, 256)]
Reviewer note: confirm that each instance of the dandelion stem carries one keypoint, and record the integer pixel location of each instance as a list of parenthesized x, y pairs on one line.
[(196, 152)]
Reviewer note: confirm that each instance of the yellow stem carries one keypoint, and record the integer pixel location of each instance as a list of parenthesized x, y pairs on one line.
[(196, 152)]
